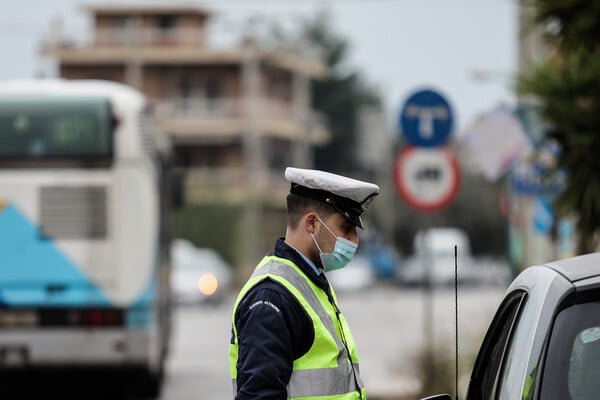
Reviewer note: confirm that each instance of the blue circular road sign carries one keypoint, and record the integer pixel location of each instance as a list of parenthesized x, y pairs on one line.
[(426, 119)]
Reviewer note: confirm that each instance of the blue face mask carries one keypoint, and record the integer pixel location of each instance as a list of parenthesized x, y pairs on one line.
[(342, 254)]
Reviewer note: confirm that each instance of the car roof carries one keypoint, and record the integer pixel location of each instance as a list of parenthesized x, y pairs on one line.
[(578, 268)]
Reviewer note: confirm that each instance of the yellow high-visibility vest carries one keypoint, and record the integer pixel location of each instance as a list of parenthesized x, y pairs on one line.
[(325, 371)]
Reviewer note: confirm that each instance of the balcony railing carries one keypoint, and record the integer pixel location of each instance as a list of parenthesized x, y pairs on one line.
[(149, 36), (228, 108), (221, 107), (126, 37), (270, 114), (191, 41), (198, 108), (231, 184), (214, 184), (275, 116)]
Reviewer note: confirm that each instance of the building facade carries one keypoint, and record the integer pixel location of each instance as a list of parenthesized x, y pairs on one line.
[(236, 117)]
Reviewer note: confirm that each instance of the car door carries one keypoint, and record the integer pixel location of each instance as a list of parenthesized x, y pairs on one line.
[(487, 376)]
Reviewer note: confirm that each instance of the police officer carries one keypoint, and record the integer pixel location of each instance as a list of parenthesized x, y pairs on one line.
[(289, 338)]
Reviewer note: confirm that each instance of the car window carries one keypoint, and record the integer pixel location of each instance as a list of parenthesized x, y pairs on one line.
[(573, 360), (486, 372), (507, 374)]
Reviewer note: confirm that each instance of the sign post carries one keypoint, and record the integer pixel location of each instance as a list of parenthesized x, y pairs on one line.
[(426, 173)]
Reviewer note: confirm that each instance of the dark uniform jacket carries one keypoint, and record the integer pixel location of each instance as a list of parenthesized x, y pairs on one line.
[(273, 330)]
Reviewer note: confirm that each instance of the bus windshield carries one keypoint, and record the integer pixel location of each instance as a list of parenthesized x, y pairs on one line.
[(55, 127)]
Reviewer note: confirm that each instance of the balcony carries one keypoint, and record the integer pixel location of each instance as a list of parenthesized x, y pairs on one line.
[(172, 46), (119, 45), (127, 36), (223, 120), (231, 185)]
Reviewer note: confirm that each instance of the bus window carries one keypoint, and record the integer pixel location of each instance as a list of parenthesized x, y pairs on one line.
[(47, 128)]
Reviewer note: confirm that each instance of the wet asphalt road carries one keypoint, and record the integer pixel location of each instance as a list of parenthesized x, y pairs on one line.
[(387, 322)]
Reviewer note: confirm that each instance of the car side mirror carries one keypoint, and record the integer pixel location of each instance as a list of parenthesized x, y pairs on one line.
[(438, 397)]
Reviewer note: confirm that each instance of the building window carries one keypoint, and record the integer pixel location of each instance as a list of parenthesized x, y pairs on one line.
[(119, 30), (185, 89), (213, 89), (278, 154), (166, 28), (166, 22), (213, 94)]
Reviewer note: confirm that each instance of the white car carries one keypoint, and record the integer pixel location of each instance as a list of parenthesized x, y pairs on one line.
[(544, 341), (357, 275), (433, 261), (199, 274)]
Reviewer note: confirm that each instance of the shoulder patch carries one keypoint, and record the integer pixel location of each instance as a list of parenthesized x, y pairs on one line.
[(265, 302)]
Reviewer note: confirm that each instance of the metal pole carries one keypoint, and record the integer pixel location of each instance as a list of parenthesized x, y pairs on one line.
[(133, 69), (427, 298), (253, 161), (300, 150)]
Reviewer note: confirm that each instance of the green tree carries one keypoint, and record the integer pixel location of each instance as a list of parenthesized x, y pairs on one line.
[(568, 24), (567, 85), (339, 96)]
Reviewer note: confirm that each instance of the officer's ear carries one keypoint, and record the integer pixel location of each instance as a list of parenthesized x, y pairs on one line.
[(310, 222)]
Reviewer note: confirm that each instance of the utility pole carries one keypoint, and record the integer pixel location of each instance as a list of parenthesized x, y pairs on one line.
[(253, 159), (133, 69), (301, 150)]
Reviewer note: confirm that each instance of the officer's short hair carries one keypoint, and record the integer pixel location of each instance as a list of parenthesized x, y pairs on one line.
[(298, 206)]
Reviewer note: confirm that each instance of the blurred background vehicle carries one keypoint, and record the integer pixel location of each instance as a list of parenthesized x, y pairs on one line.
[(384, 258), (85, 199), (433, 259), (200, 275), (357, 275)]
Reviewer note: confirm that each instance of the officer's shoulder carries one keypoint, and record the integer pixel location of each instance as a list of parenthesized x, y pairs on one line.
[(271, 290), (267, 287)]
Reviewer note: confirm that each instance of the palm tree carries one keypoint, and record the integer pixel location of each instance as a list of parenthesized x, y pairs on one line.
[(567, 85)]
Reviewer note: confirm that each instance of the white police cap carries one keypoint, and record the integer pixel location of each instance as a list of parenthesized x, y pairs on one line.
[(350, 197)]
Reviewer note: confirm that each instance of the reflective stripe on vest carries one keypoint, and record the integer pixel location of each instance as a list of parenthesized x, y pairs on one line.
[(325, 369)]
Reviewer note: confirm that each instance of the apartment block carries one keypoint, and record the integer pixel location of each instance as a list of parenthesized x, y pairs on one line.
[(236, 116)]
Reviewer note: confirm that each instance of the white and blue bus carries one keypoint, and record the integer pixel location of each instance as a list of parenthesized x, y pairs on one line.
[(84, 236)]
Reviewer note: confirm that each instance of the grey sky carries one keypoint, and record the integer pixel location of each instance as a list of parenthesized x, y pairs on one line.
[(398, 45)]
